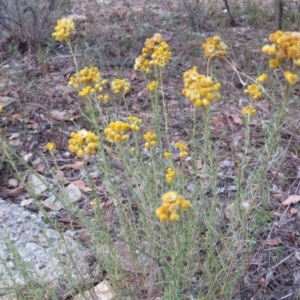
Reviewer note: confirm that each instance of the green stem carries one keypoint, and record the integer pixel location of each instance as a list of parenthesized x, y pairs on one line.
[(164, 102), (73, 54)]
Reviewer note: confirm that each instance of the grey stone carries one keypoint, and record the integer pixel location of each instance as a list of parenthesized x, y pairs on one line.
[(31, 253), (13, 183), (37, 184)]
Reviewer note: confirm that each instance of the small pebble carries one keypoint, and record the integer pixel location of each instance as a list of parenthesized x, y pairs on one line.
[(13, 183)]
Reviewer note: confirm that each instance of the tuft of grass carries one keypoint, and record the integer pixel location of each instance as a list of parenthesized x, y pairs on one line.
[(254, 12), (28, 21), (198, 13)]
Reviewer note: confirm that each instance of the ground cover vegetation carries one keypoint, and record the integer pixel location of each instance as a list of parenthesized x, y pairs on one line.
[(186, 148)]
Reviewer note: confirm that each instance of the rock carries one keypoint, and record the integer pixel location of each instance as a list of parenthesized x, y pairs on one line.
[(11, 296), (5, 101), (53, 203), (33, 254), (102, 291), (37, 184), (73, 192), (13, 183)]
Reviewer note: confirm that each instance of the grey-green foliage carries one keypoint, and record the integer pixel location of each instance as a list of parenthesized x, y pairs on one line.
[(30, 20)]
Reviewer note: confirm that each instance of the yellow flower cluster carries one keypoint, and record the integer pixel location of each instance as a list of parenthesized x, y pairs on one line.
[(285, 45), (183, 150), (83, 142), (172, 204), (150, 139), (116, 131), (132, 150), (253, 90), (200, 89), (120, 86), (167, 154), (152, 86), (50, 147), (262, 78), (63, 29), (134, 123), (170, 174), (290, 77), (156, 53), (249, 110), (215, 47), (88, 81)]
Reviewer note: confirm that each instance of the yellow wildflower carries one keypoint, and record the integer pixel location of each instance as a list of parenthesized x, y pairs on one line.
[(132, 150), (169, 197), (170, 174), (167, 154), (200, 89), (156, 53), (152, 86), (88, 81), (116, 131), (135, 123), (63, 29), (83, 142), (185, 204), (150, 139), (290, 77), (183, 150), (171, 205), (215, 47), (249, 110), (50, 147), (174, 217), (274, 63), (262, 78), (120, 86), (284, 47), (254, 91)]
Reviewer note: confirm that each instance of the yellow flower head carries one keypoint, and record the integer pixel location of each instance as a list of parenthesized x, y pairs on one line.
[(170, 174), (132, 150), (183, 150), (262, 78), (120, 86), (200, 89), (169, 197), (50, 147), (167, 154), (174, 217), (63, 29), (83, 142), (150, 139), (172, 204), (254, 91), (152, 86), (116, 131), (156, 53), (290, 77), (249, 110), (135, 123), (88, 81), (284, 47), (1, 108), (215, 47)]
